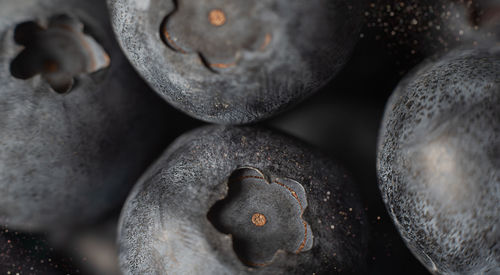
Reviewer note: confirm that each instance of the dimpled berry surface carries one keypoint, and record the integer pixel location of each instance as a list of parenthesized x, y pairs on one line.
[(66, 159), (288, 50), (165, 227), (439, 162)]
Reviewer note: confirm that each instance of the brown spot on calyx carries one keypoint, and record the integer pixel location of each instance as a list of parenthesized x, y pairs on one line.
[(216, 17), (85, 45), (294, 194), (223, 65), (303, 244), (50, 66), (255, 264), (267, 40), (171, 41), (259, 219)]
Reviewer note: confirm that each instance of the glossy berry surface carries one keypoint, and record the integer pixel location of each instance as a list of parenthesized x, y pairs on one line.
[(225, 200), (78, 127), (235, 62), (439, 162)]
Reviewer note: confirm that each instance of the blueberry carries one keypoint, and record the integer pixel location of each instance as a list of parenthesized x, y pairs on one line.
[(237, 61), (439, 162), (78, 127), (225, 200)]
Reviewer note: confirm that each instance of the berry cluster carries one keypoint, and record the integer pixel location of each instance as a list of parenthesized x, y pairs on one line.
[(100, 175)]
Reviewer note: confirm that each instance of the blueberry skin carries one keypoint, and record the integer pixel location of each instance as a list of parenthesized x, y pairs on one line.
[(309, 43), (164, 227), (439, 162), (66, 159)]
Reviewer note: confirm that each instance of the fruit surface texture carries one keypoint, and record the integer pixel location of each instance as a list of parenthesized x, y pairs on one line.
[(439, 162), (238, 61), (77, 126), (225, 200)]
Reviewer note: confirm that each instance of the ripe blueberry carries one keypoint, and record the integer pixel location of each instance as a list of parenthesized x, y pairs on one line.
[(236, 61), (439, 162), (225, 200), (77, 125)]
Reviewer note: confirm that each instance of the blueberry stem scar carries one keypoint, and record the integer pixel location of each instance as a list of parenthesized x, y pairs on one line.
[(217, 17), (58, 52), (219, 45), (259, 219), (262, 216)]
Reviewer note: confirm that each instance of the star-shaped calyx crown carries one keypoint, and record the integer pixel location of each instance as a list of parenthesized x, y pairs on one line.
[(59, 52), (263, 216), (217, 30)]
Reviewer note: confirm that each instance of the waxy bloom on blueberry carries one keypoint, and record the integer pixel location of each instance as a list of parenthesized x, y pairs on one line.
[(237, 61), (439, 161), (227, 200), (77, 125)]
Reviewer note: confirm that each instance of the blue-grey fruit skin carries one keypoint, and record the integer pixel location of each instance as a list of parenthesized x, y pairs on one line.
[(66, 159), (164, 227), (310, 42), (439, 162)]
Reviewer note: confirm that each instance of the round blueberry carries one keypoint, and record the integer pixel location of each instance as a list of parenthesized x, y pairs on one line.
[(236, 61), (225, 200), (439, 162), (78, 127)]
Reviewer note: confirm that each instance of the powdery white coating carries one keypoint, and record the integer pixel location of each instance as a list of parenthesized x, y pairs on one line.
[(439, 162), (164, 227), (310, 41), (65, 159)]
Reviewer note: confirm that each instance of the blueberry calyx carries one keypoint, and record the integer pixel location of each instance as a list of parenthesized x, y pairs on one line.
[(218, 32), (59, 52), (263, 216)]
